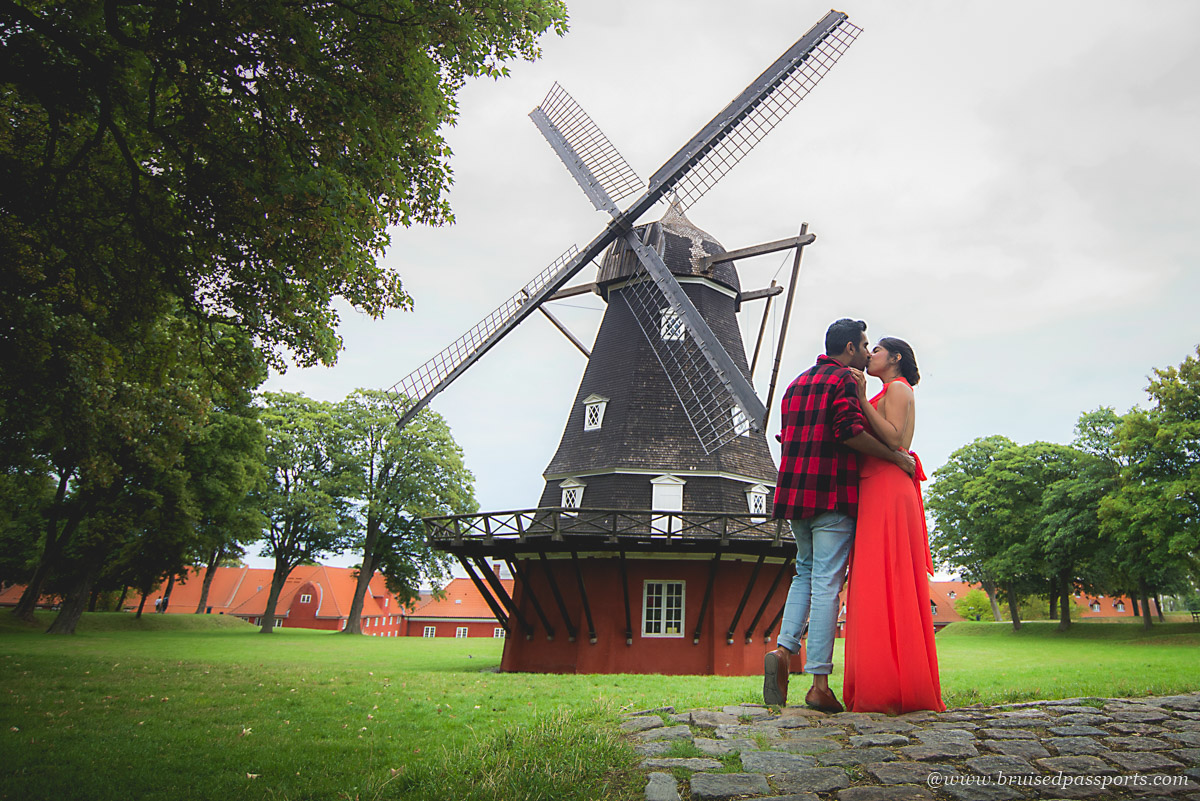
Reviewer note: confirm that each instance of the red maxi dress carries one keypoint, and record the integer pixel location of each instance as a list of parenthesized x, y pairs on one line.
[(891, 660)]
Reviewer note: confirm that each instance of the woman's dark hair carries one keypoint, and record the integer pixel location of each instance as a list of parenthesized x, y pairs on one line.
[(842, 332), (908, 361)]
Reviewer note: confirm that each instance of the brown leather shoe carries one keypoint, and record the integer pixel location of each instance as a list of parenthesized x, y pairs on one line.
[(776, 666), (823, 700)]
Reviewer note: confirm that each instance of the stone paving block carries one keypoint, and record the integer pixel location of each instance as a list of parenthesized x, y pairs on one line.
[(656, 748), (658, 710), (1017, 723), (641, 723), (745, 730), (1008, 734), (812, 780), (1190, 756), (981, 792), (869, 740), (890, 726), (1067, 790), (899, 792), (661, 787), (994, 764), (792, 797), (1136, 743), (713, 718), (960, 725), (665, 733), (746, 710), (958, 717), (1139, 715), (1083, 709), (1074, 746), (687, 763), (938, 751), (775, 762), (1187, 703), (1076, 730), (1141, 760), (1135, 728), (1189, 738), (1169, 790), (1084, 718), (721, 786), (856, 756), (814, 745), (788, 722), (1029, 749), (907, 772), (1078, 765), (1182, 724), (722, 747), (931, 736)]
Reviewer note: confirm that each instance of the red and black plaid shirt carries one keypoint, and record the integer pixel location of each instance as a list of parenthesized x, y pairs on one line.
[(817, 473)]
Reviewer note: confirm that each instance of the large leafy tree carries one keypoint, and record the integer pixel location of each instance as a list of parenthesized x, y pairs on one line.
[(399, 477), (956, 539), (307, 498)]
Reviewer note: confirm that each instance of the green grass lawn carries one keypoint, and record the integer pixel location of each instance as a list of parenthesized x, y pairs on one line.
[(201, 707)]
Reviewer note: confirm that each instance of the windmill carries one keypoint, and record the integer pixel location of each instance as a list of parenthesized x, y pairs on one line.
[(715, 395), (654, 342)]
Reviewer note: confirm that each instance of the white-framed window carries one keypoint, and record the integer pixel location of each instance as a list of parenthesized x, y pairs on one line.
[(572, 493), (666, 495), (1095, 606), (756, 499), (498, 633), (741, 423), (593, 412), (662, 608), (430, 631), (670, 326), (1120, 606), (461, 631), (306, 599), (933, 608), (952, 594), (278, 622)]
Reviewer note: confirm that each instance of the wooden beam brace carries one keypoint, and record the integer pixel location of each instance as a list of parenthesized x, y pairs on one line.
[(487, 596), (712, 577), (523, 577), (566, 332), (766, 600), (805, 238), (494, 582), (572, 291), (762, 329), (558, 599), (787, 315), (737, 616), (587, 608), (757, 294)]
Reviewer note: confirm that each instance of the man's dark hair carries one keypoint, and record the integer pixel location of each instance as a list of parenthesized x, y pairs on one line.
[(841, 332)]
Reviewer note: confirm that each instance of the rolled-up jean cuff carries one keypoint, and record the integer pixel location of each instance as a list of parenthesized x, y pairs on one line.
[(790, 643)]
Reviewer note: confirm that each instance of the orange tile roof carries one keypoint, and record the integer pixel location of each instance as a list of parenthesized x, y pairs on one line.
[(462, 601)]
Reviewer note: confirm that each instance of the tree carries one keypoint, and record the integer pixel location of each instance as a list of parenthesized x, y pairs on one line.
[(309, 491), (974, 605), (954, 538), (400, 477)]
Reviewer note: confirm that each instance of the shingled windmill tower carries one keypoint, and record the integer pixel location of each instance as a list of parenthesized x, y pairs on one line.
[(653, 536)]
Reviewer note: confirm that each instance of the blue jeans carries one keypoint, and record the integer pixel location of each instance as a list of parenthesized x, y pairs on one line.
[(823, 547)]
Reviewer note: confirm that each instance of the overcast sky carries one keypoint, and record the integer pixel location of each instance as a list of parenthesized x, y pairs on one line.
[(1014, 188)]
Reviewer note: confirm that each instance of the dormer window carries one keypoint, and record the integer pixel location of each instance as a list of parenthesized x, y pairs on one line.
[(741, 424), (666, 494), (593, 412), (572, 493), (756, 499), (670, 326)]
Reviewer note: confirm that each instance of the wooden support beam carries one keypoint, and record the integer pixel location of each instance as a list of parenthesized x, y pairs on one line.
[(757, 294), (558, 599), (762, 328), (500, 614), (805, 238), (566, 332), (587, 609), (737, 616), (712, 577), (787, 315), (523, 577), (766, 600), (493, 581), (625, 587), (572, 291)]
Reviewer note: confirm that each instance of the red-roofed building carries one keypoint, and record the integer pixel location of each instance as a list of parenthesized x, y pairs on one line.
[(463, 612)]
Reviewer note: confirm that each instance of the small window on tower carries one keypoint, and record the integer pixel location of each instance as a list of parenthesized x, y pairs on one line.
[(741, 425), (756, 500), (572, 493), (593, 412), (671, 326)]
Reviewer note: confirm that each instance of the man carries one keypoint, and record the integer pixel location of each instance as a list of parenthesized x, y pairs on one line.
[(823, 431)]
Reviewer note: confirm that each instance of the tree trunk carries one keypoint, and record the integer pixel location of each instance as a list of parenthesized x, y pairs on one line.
[(1158, 607), (1144, 592), (1064, 597), (121, 600), (93, 599), (278, 578), (1137, 608), (989, 587), (1054, 585), (354, 619), (50, 551), (166, 599), (209, 573), (73, 605), (141, 606), (1013, 608)]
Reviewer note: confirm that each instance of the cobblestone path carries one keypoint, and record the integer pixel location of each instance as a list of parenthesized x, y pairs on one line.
[(1099, 748)]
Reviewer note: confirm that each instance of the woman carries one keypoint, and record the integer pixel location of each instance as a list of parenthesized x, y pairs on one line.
[(891, 660)]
